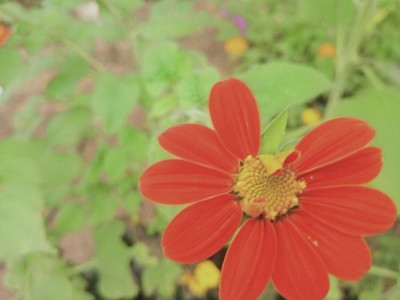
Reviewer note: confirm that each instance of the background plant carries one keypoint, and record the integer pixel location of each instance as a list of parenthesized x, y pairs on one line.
[(87, 86)]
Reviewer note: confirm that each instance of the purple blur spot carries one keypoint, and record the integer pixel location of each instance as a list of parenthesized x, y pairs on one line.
[(240, 23)]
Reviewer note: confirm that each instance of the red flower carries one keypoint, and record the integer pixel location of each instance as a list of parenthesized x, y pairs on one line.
[(306, 210), (5, 31)]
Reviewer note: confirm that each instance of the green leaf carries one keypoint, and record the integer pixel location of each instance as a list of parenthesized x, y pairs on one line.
[(164, 215), (373, 291), (69, 127), (62, 6), (36, 41), (26, 120), (113, 258), (79, 286), (16, 155), (155, 152), (115, 163), (273, 134), (135, 144), (162, 278), (102, 204), (114, 99), (130, 202), (194, 89), (169, 22), (334, 290), (327, 11), (59, 170), (11, 64), (21, 203), (64, 82), (141, 255), (381, 109), (127, 6), (163, 63), (173, 26), (277, 85), (163, 106), (94, 170), (43, 277), (70, 217)]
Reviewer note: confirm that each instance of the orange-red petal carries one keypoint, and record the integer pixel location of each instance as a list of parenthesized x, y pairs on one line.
[(249, 262), (175, 181), (299, 271), (199, 144), (235, 116), (331, 141), (344, 256), (201, 229), (353, 210), (358, 168)]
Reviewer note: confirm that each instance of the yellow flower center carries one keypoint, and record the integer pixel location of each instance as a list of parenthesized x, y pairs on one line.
[(266, 188)]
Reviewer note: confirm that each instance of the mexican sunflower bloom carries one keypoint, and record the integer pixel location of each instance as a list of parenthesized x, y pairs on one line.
[(302, 213)]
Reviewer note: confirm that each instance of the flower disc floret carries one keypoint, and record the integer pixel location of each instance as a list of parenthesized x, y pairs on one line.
[(266, 191)]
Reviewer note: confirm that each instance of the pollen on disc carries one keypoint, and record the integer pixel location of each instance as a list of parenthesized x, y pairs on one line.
[(267, 194)]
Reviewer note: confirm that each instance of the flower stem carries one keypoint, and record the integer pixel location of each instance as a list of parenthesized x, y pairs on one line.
[(78, 50), (127, 27), (383, 272), (348, 49)]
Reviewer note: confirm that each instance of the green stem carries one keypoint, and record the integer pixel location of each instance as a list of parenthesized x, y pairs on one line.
[(383, 272), (373, 78), (114, 13), (78, 50), (347, 51), (125, 26)]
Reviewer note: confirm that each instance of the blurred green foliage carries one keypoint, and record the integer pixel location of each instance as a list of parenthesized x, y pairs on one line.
[(89, 85)]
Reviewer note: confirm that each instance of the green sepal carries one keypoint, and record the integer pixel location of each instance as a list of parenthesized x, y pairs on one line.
[(273, 133)]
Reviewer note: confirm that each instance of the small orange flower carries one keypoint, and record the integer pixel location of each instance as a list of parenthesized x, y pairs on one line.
[(236, 46), (327, 50), (305, 211), (5, 31)]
